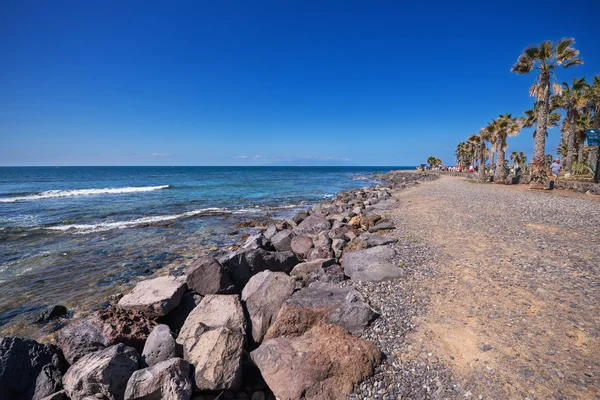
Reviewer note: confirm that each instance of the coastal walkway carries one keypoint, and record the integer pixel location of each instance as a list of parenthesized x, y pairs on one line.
[(512, 308)]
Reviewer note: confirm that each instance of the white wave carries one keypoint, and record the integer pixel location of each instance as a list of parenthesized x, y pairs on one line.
[(106, 226), (51, 194)]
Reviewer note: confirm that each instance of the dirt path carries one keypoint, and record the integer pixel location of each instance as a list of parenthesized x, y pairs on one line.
[(514, 308)]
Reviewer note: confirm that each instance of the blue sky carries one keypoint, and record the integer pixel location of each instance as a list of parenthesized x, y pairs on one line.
[(251, 83)]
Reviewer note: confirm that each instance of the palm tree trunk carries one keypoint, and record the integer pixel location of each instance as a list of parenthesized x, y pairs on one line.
[(538, 165), (580, 146), (500, 175), (570, 142), (481, 171), (593, 154)]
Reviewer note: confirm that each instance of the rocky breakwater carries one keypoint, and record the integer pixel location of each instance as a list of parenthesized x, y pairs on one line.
[(270, 320)]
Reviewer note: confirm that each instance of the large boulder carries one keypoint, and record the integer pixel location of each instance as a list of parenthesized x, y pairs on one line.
[(216, 355), (167, 379), (310, 271), (322, 303), (103, 329), (259, 241), (155, 297), (242, 265), (301, 245), (160, 346), (374, 264), (282, 241), (206, 276), (214, 311), (176, 317), (263, 295), (28, 369), (105, 372), (312, 225), (324, 363)]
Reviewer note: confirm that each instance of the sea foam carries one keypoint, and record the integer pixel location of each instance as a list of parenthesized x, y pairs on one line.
[(106, 226), (51, 194)]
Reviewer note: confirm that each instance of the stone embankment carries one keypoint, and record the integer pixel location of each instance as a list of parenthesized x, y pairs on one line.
[(281, 317)]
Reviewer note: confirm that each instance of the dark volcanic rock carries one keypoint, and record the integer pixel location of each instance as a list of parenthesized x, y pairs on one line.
[(51, 313), (322, 303), (282, 241), (312, 225), (242, 265), (28, 369), (176, 317), (102, 329), (206, 276)]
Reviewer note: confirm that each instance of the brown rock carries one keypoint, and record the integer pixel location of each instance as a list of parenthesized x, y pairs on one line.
[(301, 245), (324, 363)]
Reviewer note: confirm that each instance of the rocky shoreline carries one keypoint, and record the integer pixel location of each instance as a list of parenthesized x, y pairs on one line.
[(288, 315)]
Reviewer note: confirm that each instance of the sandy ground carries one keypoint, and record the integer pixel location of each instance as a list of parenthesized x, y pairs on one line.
[(514, 306)]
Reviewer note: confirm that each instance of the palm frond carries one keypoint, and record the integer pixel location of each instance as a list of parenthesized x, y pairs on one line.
[(523, 65), (545, 50), (576, 61)]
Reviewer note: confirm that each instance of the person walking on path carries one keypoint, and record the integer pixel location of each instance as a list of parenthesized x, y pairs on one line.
[(555, 167)]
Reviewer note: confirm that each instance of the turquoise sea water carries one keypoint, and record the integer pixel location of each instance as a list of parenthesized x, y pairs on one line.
[(74, 235)]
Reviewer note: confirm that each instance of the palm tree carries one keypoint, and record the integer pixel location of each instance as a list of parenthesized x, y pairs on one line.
[(549, 159), (545, 58), (593, 96), (474, 142), (531, 117), (485, 135), (434, 162), (583, 122), (572, 99), (518, 158), (506, 125), (462, 154)]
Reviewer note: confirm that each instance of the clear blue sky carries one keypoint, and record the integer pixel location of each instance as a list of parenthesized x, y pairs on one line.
[(253, 82)]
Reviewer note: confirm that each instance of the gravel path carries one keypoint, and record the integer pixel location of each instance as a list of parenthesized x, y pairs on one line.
[(500, 299)]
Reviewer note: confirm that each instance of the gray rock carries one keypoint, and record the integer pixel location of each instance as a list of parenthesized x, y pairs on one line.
[(106, 372), (242, 265), (168, 379), (312, 225), (160, 346), (382, 225), (60, 395), (206, 276), (51, 312), (155, 297), (310, 271), (214, 311), (216, 356), (320, 252), (318, 303), (28, 369), (337, 246), (374, 264), (263, 295), (82, 337), (374, 240), (271, 230), (258, 241), (282, 241), (301, 245)]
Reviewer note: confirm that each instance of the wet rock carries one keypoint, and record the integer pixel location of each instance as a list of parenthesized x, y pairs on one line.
[(102, 329), (160, 346), (312, 225), (324, 363), (51, 312), (322, 303), (155, 297), (215, 310), (282, 241), (106, 372), (216, 355), (301, 245), (28, 369), (206, 276), (168, 379), (374, 264), (263, 295)]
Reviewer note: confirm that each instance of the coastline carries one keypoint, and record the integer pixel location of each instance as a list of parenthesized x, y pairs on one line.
[(370, 199)]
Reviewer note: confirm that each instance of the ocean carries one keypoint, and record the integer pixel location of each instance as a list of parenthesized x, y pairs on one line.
[(77, 235)]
